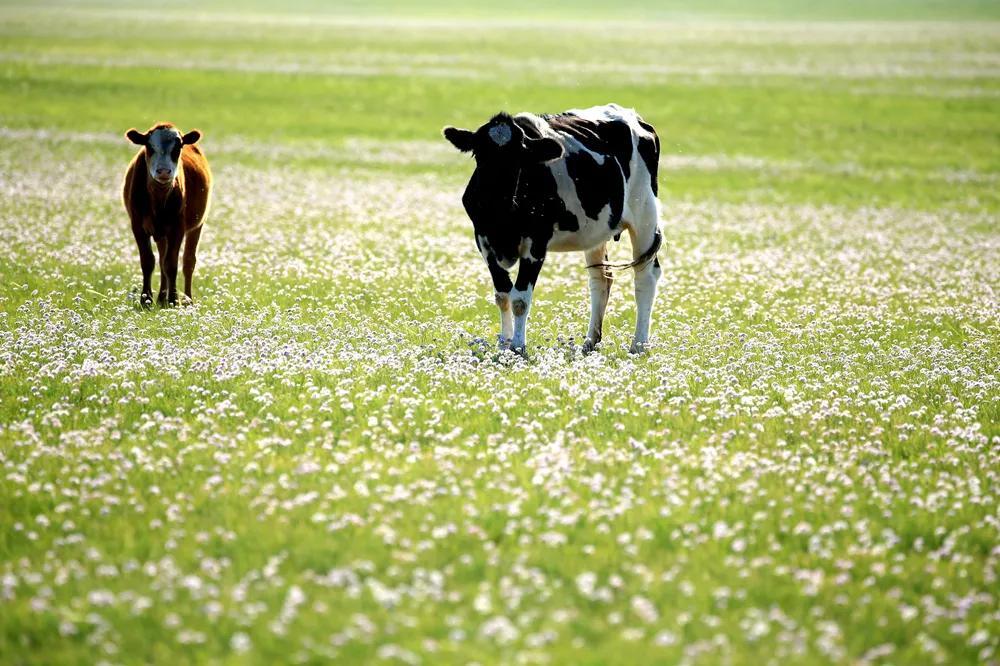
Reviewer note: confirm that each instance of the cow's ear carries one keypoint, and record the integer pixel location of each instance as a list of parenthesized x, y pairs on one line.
[(191, 137), (137, 137), (542, 150), (462, 139)]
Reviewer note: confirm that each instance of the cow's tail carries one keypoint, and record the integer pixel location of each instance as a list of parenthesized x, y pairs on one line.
[(640, 261)]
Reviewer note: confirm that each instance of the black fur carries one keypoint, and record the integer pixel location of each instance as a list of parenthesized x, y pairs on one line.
[(649, 151), (608, 138), (597, 185)]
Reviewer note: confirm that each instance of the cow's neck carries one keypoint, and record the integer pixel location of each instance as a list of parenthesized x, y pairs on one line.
[(506, 193), (160, 193)]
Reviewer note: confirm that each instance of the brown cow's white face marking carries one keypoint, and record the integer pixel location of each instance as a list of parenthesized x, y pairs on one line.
[(163, 154)]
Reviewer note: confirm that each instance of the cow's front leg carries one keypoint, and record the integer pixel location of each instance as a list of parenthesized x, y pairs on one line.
[(147, 262), (506, 319), (520, 300), (190, 260), (161, 259), (173, 254), (501, 288)]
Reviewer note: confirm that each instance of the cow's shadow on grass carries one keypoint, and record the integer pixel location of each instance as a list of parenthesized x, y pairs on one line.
[(566, 349)]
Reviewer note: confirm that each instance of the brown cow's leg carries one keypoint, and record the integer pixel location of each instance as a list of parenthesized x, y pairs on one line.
[(161, 250), (190, 259), (173, 250), (147, 262)]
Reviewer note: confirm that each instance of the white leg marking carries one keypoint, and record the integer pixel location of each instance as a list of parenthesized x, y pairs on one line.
[(520, 304), (506, 320)]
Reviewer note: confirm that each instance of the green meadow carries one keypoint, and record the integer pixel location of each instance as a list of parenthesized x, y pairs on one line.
[(327, 459)]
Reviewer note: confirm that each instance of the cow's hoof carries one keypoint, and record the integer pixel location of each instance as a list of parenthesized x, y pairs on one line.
[(588, 346), (503, 343), (186, 300), (146, 301), (638, 347)]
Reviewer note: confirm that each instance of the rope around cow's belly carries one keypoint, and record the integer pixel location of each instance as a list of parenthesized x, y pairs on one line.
[(639, 261)]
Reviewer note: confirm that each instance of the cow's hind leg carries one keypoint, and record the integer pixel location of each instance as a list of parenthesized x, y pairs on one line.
[(190, 259), (600, 291), (644, 235)]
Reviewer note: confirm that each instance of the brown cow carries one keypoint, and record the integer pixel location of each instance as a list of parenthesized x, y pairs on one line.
[(167, 203)]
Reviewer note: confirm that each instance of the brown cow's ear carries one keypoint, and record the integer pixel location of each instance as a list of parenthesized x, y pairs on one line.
[(137, 137), (191, 137), (462, 139)]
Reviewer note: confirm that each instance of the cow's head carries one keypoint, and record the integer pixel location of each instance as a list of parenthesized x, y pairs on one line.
[(500, 146), (163, 143)]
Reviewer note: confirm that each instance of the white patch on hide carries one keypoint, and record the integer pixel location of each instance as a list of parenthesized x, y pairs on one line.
[(524, 249), (484, 248), (160, 159)]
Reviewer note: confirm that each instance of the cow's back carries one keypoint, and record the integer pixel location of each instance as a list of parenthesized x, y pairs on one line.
[(610, 156), (622, 133)]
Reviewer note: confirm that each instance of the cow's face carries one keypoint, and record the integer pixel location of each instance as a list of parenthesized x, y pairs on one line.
[(163, 145), (501, 149)]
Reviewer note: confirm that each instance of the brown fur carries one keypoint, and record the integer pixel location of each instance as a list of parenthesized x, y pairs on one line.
[(170, 214)]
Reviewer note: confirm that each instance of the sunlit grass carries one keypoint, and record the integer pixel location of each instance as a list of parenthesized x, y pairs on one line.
[(327, 459)]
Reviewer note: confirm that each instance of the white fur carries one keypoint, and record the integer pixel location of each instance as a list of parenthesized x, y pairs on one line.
[(161, 141), (506, 318), (484, 247), (518, 299), (592, 231), (524, 249), (642, 233), (600, 290)]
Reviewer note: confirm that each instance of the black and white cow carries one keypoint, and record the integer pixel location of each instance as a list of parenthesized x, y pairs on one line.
[(563, 182)]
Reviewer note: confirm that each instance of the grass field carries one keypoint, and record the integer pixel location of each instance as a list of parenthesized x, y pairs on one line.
[(325, 458)]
